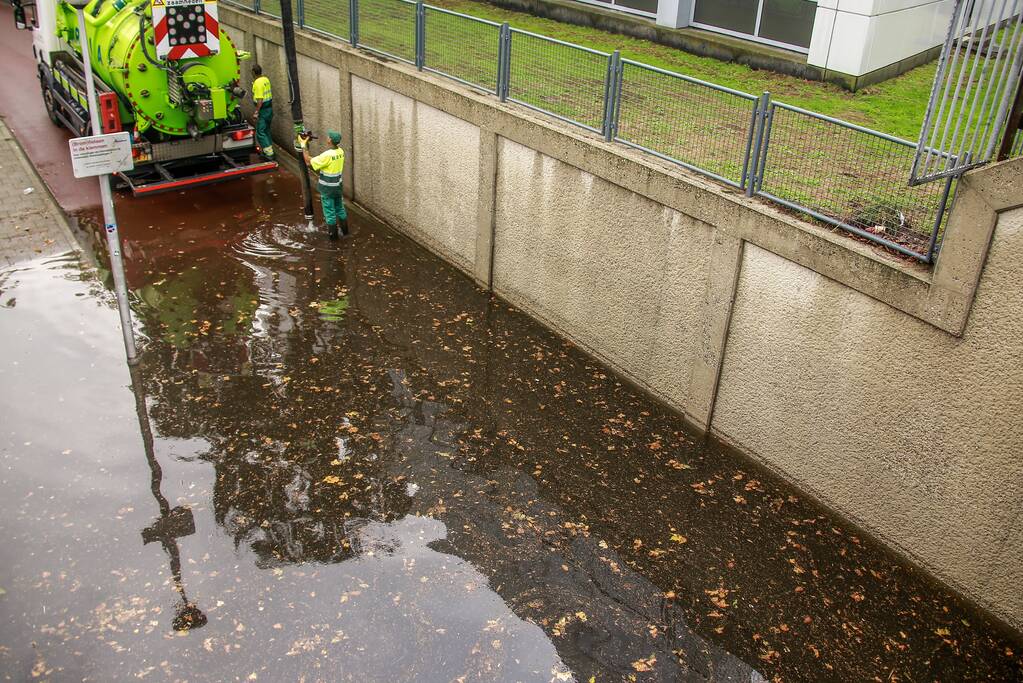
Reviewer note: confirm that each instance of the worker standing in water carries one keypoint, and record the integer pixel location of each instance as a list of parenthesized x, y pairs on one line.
[(329, 166), (263, 97)]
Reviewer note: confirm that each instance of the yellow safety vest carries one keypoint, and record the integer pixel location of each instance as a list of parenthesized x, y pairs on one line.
[(261, 89), (329, 165)]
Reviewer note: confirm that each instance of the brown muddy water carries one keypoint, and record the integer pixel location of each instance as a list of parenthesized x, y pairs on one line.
[(347, 463)]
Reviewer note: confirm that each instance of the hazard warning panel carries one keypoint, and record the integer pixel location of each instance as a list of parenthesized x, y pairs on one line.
[(185, 28)]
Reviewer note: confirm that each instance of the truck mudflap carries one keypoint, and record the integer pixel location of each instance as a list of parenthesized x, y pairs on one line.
[(164, 177)]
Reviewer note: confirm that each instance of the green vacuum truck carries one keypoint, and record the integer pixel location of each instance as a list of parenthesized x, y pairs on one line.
[(166, 72)]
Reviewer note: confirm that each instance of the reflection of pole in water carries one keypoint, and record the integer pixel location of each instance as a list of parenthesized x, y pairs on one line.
[(173, 523)]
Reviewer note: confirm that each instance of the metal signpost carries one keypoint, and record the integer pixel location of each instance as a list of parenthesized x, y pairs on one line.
[(101, 153)]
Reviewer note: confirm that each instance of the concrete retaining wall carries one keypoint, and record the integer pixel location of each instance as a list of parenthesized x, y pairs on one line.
[(418, 169), (888, 391), (576, 250), (901, 425)]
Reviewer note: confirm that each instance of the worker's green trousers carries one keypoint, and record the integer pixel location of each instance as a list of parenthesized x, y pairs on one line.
[(263, 139), (333, 204)]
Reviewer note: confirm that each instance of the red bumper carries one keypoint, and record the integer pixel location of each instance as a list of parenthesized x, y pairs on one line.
[(167, 184)]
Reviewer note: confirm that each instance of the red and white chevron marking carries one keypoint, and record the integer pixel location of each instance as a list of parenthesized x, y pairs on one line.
[(184, 29)]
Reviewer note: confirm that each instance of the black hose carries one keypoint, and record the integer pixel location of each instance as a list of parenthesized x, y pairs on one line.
[(145, 47), (288, 25)]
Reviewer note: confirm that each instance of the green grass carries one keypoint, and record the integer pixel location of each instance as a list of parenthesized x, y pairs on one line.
[(895, 107)]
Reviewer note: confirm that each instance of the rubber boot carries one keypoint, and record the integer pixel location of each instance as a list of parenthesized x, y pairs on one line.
[(344, 227), (332, 231)]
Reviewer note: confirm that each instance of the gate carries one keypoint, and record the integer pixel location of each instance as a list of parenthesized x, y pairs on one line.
[(976, 90)]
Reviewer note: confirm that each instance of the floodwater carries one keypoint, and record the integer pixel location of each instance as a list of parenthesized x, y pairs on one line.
[(346, 463)]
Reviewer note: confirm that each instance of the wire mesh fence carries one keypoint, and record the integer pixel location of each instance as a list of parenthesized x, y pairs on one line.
[(330, 17), (270, 7), (461, 47), (388, 27), (851, 177), (564, 80), (698, 125), (831, 170)]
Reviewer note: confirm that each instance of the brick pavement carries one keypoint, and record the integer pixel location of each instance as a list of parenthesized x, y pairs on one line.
[(31, 224)]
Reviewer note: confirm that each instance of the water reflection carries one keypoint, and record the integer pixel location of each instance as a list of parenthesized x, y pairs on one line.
[(173, 523)]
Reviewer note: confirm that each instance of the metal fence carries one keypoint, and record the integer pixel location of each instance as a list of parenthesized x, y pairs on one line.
[(329, 17), (389, 27), (701, 126), (567, 81), (836, 172), (842, 173), (479, 56)]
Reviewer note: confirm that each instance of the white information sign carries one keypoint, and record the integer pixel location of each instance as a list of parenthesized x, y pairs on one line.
[(101, 154)]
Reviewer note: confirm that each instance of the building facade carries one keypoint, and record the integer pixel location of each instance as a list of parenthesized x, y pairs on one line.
[(852, 37)]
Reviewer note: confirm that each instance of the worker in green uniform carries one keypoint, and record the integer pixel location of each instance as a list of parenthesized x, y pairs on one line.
[(264, 112), (329, 166)]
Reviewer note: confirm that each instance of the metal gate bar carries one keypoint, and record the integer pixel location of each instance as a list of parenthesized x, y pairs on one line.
[(976, 82)]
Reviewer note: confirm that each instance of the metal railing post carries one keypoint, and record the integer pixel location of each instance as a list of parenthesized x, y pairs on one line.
[(499, 76), (765, 145), (610, 94), (420, 34), (504, 63), (617, 112), (353, 22), (301, 13), (939, 218), (752, 162)]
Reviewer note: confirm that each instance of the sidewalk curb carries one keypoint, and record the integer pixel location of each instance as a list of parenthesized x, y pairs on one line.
[(40, 185)]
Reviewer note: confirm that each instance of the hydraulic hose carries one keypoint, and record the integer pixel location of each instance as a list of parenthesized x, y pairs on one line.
[(145, 47)]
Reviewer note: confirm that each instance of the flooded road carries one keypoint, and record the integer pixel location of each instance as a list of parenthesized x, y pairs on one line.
[(346, 463)]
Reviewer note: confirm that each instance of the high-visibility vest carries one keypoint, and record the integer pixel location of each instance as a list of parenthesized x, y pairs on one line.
[(261, 89), (329, 165)]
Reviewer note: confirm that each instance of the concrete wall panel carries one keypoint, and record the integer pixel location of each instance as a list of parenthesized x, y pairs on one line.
[(321, 100), (614, 271), (270, 56), (914, 433), (418, 168)]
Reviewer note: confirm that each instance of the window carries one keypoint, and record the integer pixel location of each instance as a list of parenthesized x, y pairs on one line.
[(786, 23), (647, 8), (735, 15)]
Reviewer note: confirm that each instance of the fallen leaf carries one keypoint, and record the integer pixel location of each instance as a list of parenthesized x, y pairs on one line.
[(645, 664)]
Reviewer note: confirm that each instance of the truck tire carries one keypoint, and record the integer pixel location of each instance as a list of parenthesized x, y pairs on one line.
[(51, 105)]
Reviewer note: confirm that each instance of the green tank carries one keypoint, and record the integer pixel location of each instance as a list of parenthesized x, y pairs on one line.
[(161, 98)]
